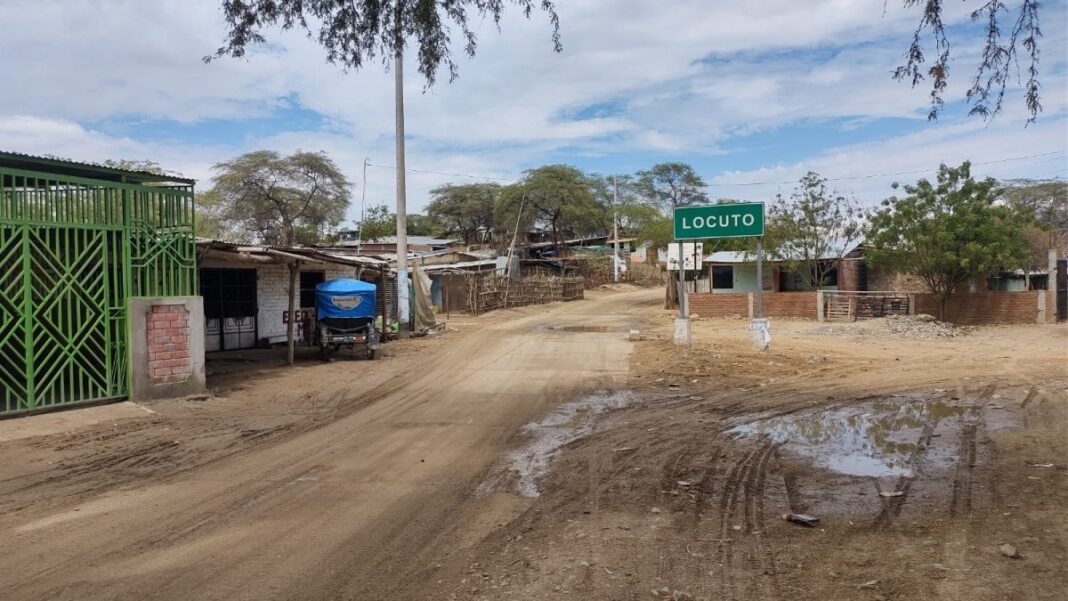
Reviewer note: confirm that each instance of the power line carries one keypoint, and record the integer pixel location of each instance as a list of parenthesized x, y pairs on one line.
[(500, 179), (874, 175), (767, 183)]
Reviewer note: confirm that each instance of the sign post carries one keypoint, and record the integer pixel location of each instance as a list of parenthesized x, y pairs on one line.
[(734, 220)]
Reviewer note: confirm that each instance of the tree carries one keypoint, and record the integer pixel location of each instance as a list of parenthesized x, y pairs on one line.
[(670, 185), (425, 225), (996, 61), (947, 232), (282, 201), (813, 230), (465, 211), (139, 165), (556, 197), (359, 31), (1047, 201), (378, 222)]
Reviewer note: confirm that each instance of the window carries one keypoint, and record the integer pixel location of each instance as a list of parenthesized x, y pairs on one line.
[(228, 293), (308, 281), (722, 276)]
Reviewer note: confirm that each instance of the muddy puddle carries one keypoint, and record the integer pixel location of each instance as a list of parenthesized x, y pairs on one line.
[(523, 469), (580, 328), (893, 436)]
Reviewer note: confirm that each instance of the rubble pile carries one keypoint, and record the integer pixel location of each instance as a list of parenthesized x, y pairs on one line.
[(917, 326)]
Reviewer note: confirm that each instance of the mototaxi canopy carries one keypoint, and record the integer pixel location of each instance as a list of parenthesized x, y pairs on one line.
[(344, 297)]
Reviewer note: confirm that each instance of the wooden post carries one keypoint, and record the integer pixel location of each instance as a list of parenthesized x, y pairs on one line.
[(294, 272)]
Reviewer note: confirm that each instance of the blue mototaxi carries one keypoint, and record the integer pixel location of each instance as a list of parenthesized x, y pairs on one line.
[(345, 316)]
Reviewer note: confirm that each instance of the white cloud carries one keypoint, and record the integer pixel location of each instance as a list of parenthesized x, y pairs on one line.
[(675, 79)]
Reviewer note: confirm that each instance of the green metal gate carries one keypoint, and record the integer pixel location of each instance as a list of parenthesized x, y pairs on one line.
[(72, 252)]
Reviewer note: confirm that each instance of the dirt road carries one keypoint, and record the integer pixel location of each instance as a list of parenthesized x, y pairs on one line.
[(332, 507), (427, 475)]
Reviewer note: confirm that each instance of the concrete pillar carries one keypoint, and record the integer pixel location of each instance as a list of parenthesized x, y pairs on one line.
[(912, 303), (750, 299), (820, 300), (1041, 294), (1051, 282)]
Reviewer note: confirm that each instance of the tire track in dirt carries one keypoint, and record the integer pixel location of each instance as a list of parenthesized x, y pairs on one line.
[(740, 499), (891, 506), (961, 499), (760, 558), (961, 538)]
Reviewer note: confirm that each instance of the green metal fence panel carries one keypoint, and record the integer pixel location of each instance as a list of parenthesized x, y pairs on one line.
[(72, 252)]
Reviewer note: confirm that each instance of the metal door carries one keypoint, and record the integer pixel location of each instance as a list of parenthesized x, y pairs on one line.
[(62, 316), (230, 308)]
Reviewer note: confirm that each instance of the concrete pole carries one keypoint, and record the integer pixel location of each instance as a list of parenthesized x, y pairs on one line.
[(682, 283), (760, 278), (403, 310), (615, 229)]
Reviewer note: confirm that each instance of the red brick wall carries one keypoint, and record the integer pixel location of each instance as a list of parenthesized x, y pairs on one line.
[(989, 307), (776, 304), (720, 304), (790, 304), (168, 344)]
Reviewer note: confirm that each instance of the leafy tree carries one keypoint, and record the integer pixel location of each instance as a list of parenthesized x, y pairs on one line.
[(813, 229), (556, 197), (670, 185), (1047, 201), (466, 211), (358, 31), (996, 60), (947, 232), (425, 225), (658, 232), (378, 222), (281, 201)]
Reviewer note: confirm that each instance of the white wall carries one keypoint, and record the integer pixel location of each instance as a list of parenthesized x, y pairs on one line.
[(272, 283)]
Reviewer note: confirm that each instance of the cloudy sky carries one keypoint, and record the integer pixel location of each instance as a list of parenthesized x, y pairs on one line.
[(752, 94)]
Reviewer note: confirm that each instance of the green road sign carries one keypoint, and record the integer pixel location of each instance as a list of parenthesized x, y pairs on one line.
[(739, 220)]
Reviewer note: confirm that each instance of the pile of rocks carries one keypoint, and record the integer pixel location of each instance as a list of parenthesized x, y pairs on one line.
[(922, 325), (918, 326)]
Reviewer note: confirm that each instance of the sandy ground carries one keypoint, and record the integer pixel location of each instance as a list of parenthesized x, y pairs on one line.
[(434, 473)]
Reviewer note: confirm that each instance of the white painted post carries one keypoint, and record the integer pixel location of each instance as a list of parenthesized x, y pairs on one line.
[(760, 278), (683, 331)]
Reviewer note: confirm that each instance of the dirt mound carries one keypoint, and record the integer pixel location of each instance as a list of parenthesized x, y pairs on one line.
[(917, 326)]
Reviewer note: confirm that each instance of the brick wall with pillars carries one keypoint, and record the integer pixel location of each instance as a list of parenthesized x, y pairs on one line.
[(977, 308)]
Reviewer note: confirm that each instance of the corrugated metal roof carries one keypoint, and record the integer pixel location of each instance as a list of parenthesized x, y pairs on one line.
[(29, 162)]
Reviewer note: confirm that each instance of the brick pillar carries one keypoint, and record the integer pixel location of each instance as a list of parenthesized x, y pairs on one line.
[(166, 347), (167, 329)]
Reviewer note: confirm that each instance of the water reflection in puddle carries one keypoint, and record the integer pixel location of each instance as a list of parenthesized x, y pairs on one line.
[(880, 438)]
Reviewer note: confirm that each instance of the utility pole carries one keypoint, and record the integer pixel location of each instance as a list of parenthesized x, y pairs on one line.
[(615, 228), (403, 309), (363, 203)]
